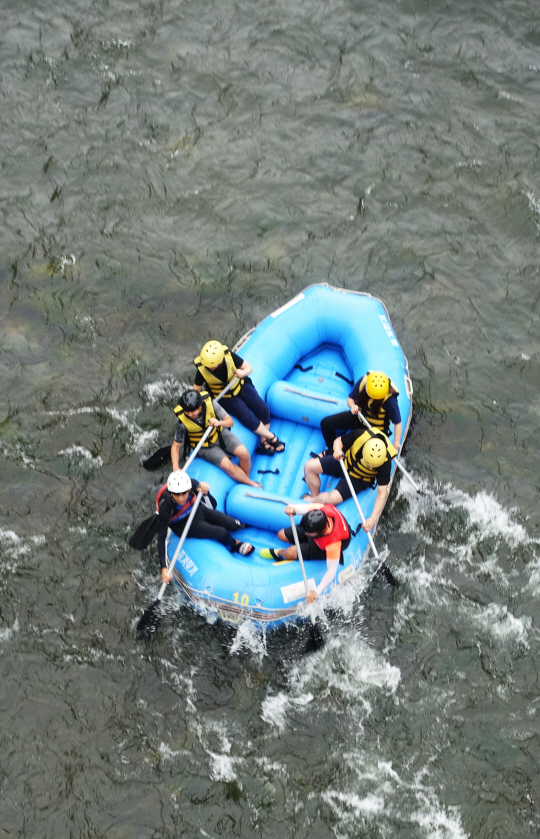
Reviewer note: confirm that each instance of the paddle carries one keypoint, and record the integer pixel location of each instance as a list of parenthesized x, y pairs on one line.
[(145, 533), (397, 461), (158, 458), (163, 455), (381, 566), (152, 616), (316, 640)]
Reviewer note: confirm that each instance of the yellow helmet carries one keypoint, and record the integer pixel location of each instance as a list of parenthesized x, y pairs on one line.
[(377, 385), (212, 354), (374, 452)]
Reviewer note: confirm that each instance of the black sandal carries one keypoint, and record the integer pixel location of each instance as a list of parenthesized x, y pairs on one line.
[(275, 443), (243, 548), (267, 449)]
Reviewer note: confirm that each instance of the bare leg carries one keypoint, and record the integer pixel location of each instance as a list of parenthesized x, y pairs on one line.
[(264, 431), (266, 435), (236, 472), (244, 458), (312, 470), (332, 497), (286, 553)]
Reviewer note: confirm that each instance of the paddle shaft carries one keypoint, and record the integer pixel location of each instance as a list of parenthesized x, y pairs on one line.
[(299, 552), (396, 459), (199, 445), (316, 637), (182, 540), (301, 561), (358, 507)]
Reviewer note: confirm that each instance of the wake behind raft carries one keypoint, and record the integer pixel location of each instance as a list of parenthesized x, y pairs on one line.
[(305, 357)]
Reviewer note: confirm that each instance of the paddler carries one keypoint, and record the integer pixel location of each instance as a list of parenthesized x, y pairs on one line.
[(216, 366), (367, 455), (375, 397), (323, 534), (196, 411), (174, 502)]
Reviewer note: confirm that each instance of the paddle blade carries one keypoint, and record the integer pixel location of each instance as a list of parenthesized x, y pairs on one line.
[(316, 640), (144, 533), (146, 628), (157, 459), (384, 573)]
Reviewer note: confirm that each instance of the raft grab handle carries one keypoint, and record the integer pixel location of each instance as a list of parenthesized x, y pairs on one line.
[(312, 395), (267, 497)]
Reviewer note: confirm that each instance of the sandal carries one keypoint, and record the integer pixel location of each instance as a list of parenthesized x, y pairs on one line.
[(244, 548), (265, 447), (277, 445)]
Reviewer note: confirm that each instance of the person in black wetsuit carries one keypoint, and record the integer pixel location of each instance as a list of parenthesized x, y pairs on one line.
[(174, 502)]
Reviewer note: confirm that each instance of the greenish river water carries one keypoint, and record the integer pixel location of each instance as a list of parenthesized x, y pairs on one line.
[(174, 171)]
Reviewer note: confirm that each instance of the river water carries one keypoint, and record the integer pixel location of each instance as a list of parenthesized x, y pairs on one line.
[(173, 171)]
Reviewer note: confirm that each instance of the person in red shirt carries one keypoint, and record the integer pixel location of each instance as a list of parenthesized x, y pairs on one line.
[(323, 534)]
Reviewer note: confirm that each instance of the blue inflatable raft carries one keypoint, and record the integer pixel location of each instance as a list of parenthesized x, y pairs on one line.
[(305, 357)]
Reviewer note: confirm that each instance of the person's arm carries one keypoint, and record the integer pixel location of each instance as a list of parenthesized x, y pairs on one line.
[(175, 455), (202, 486), (394, 415), (337, 450), (244, 371), (397, 435), (378, 507), (164, 516), (177, 446), (343, 444), (331, 571), (301, 509), (223, 420), (199, 382), (354, 396)]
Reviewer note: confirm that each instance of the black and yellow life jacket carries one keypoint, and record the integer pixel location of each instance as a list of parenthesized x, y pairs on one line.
[(375, 412), (216, 385), (194, 430), (353, 456)]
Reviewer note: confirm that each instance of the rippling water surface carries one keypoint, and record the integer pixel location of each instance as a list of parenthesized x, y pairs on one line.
[(173, 171)]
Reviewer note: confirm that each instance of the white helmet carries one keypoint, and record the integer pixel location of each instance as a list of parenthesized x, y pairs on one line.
[(178, 482)]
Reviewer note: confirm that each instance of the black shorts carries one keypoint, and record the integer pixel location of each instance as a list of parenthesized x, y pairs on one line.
[(331, 466), (307, 545)]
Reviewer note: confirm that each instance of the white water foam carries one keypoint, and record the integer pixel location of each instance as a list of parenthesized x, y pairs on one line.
[(140, 439), (534, 204), (16, 453), (78, 455), (166, 391), (346, 668), (14, 547), (489, 526), (7, 633), (249, 637), (378, 789)]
